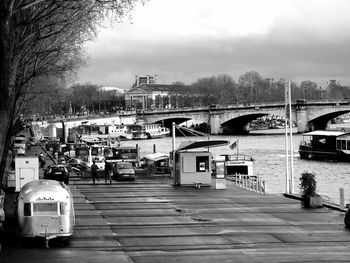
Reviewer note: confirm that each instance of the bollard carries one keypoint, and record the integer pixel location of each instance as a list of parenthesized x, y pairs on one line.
[(264, 187), (341, 198)]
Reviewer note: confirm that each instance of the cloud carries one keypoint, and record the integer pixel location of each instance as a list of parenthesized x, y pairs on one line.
[(187, 39)]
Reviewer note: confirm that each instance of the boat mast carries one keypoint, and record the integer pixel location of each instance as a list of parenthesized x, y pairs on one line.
[(286, 95), (173, 155), (291, 140)]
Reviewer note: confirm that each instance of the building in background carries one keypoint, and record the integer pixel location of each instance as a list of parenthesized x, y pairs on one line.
[(146, 93)]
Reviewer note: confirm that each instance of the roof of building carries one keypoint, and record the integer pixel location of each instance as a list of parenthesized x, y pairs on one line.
[(164, 88), (324, 133)]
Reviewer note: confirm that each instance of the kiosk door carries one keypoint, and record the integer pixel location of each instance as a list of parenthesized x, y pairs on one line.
[(220, 176)]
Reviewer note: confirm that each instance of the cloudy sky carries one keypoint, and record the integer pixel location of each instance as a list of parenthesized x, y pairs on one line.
[(183, 40)]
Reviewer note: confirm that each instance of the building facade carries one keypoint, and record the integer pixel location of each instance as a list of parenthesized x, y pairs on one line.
[(147, 94)]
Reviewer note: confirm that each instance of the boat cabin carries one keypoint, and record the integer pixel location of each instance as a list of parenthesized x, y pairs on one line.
[(329, 145), (237, 164), (159, 161)]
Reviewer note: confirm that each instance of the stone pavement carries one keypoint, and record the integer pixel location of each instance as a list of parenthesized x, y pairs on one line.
[(149, 221)]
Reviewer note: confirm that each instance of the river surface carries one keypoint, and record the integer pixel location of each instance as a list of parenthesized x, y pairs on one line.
[(268, 150)]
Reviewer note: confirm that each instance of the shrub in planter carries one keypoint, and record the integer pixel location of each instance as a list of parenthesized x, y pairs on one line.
[(309, 197)]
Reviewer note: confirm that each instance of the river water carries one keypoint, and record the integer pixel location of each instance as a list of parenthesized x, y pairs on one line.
[(268, 150)]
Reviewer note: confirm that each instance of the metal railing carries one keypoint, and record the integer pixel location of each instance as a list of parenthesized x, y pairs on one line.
[(252, 183)]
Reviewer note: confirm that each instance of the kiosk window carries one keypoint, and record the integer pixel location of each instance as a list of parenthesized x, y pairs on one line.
[(202, 163)]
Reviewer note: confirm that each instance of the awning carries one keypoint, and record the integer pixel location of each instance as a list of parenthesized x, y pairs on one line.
[(202, 144), (157, 156)]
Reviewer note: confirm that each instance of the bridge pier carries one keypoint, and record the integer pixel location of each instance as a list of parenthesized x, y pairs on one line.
[(301, 120), (215, 126)]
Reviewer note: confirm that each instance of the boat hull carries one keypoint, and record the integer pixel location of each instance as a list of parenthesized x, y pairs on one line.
[(310, 154)]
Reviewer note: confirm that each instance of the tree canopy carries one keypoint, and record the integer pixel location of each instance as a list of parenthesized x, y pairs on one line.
[(42, 39)]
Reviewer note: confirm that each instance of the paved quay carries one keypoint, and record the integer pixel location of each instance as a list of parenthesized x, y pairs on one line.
[(149, 220)]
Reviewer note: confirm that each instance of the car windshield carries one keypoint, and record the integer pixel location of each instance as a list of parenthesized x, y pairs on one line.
[(124, 165), (58, 169)]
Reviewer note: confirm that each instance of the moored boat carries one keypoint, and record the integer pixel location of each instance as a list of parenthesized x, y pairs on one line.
[(148, 131), (94, 133), (325, 145), (238, 165)]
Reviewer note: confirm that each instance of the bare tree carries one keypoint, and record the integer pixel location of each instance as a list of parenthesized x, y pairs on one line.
[(43, 38), (252, 81)]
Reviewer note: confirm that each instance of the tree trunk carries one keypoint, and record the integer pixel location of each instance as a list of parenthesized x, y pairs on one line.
[(7, 102)]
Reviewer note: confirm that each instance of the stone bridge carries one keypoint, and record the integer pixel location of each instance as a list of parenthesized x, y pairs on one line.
[(308, 116)]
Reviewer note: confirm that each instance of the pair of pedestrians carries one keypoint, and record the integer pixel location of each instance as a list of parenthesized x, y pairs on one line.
[(108, 172)]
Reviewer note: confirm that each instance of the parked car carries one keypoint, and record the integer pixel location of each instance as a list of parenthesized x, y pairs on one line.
[(57, 172), (77, 165), (123, 171)]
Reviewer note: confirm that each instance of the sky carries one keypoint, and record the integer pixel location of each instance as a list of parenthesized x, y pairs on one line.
[(184, 40)]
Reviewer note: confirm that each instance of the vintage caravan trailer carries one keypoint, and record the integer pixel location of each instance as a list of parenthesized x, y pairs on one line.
[(45, 209)]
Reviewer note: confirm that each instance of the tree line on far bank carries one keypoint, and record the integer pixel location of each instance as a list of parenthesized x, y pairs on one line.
[(250, 88)]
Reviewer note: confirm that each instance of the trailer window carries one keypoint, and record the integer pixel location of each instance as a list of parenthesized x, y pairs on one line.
[(45, 208), (63, 208), (26, 210)]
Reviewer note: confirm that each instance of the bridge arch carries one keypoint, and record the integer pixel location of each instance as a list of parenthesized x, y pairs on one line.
[(321, 122), (168, 121), (240, 124)]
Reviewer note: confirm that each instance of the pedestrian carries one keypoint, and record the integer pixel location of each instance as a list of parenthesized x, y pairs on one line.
[(108, 172), (94, 169), (42, 160)]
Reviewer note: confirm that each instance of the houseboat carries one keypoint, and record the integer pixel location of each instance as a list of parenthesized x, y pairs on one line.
[(156, 163), (325, 145), (148, 131), (94, 133)]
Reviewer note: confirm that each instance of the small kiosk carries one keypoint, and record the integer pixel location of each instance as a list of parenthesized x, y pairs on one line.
[(26, 170), (193, 168)]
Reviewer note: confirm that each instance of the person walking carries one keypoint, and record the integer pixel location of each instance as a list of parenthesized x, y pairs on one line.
[(94, 169), (42, 160), (108, 172)]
